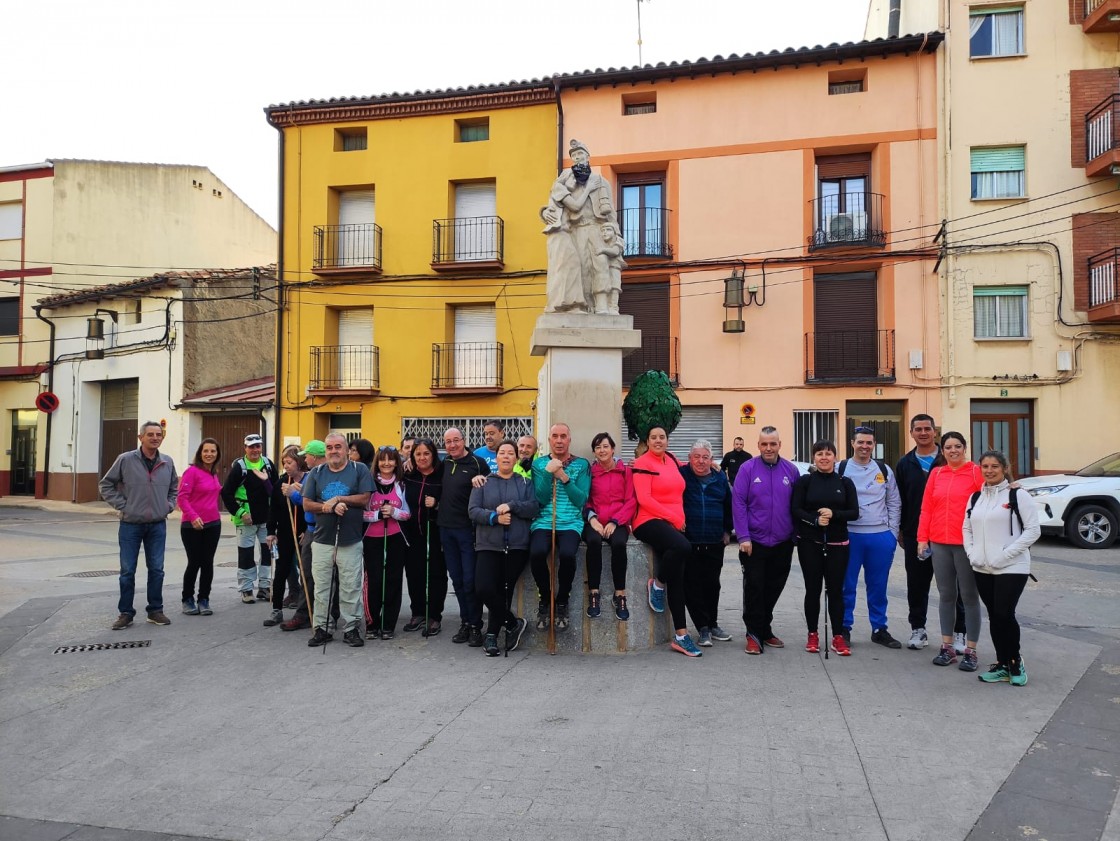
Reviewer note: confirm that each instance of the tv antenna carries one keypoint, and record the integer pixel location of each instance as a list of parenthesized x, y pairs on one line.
[(640, 30)]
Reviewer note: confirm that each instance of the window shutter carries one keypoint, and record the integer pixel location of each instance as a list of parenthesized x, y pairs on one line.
[(474, 200), (475, 324), (844, 166), (993, 291), (998, 159), (696, 422), (355, 328), (845, 303), (356, 207)]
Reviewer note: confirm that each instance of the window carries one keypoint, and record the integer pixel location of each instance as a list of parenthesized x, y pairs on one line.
[(643, 216), (995, 31), (639, 103), (847, 343), (999, 173), (354, 244), (810, 427), (434, 427), (648, 305), (9, 316), (999, 312), (476, 358), (842, 199), (847, 81), (476, 231), (11, 220), (351, 139), (472, 131)]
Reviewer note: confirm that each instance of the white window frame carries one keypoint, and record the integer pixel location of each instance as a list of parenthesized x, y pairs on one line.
[(1001, 44), (996, 318)]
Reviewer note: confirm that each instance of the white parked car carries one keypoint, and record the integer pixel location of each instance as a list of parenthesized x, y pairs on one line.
[(1083, 506)]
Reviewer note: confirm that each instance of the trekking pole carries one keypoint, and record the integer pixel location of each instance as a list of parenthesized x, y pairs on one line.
[(824, 570), (427, 571), (384, 569), (299, 564), (552, 578)]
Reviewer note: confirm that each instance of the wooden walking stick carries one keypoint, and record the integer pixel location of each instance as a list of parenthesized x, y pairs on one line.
[(552, 578), (299, 563)]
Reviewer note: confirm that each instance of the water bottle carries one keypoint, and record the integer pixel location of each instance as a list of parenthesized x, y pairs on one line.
[(926, 555), (275, 553)]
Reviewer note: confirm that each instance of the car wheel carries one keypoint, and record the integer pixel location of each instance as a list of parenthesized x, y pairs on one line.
[(1092, 527)]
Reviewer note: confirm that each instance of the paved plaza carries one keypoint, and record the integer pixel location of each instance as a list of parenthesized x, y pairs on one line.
[(223, 729)]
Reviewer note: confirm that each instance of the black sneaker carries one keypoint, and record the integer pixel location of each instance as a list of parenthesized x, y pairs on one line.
[(593, 605), (542, 618), (475, 638), (883, 637), (513, 634), (264, 595), (621, 612), (463, 634), (433, 629), (275, 618), (320, 637), (353, 638), (562, 620), (388, 635), (413, 624), (490, 646)]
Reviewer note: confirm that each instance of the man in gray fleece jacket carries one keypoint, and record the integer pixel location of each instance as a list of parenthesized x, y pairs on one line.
[(143, 486)]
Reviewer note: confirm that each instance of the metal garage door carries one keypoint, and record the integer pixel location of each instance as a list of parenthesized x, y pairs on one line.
[(696, 422)]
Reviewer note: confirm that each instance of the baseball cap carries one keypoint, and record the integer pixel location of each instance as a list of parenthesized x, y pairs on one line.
[(314, 448), (252, 439)]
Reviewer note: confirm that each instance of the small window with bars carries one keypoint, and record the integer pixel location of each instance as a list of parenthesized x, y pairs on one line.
[(810, 427), (847, 80), (639, 103)]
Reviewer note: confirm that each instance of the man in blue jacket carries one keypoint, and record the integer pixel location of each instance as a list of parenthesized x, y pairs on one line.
[(707, 518), (760, 508)]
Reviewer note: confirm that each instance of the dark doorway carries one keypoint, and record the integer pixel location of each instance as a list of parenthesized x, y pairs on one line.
[(1007, 426), (886, 418), (22, 476), (120, 402)]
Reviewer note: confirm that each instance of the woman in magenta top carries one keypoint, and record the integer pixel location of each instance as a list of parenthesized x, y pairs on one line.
[(611, 506), (199, 493), (384, 547)]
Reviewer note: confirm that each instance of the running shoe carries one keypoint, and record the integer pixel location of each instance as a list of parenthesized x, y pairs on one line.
[(594, 609), (840, 646), (997, 673), (719, 634), (968, 661), (656, 597), (946, 657), (813, 643), (190, 607), (919, 639), (1017, 670), (686, 646), (621, 613)]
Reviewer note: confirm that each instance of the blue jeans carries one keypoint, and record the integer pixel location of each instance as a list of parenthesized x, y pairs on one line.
[(153, 536), (874, 553), (458, 552)]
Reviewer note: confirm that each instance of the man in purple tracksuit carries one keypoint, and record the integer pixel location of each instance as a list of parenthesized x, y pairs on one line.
[(760, 508)]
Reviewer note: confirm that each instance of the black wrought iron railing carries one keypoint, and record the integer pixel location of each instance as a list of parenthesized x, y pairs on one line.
[(850, 219), (471, 240), (342, 367), (645, 232), (1102, 128), (348, 246), (849, 356), (467, 365), (657, 353), (1104, 271)]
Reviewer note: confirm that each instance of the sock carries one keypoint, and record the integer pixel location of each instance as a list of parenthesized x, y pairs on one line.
[(655, 587), (679, 637)]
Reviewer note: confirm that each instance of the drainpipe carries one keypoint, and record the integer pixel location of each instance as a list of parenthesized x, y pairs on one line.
[(279, 403), (559, 126), (50, 387), (894, 17)]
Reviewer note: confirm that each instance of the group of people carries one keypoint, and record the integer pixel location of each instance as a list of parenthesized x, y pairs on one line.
[(367, 524)]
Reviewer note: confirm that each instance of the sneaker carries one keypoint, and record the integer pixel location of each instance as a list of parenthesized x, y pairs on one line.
[(290, 603), (919, 639), (388, 635), (705, 637), (373, 632), (462, 635), (946, 657), (353, 638), (264, 595), (621, 613), (275, 619), (247, 597), (1017, 671), (840, 646), (542, 618), (320, 637), (513, 635), (960, 644), (593, 607), (562, 619), (686, 646), (774, 642), (490, 645), (433, 629), (968, 661), (752, 646), (474, 640), (413, 624), (157, 617), (204, 607), (190, 608), (656, 597), (295, 623), (719, 634), (883, 637), (813, 643), (123, 621), (997, 673)]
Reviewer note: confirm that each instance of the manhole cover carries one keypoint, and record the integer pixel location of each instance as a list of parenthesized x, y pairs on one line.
[(101, 646), (93, 573)]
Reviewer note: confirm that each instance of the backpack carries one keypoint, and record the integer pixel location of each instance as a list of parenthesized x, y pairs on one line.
[(1012, 503), (882, 468), (245, 468)]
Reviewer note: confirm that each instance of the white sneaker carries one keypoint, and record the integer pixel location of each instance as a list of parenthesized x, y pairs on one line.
[(960, 644), (919, 639)]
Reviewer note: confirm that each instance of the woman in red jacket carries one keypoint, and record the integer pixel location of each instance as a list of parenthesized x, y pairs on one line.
[(659, 523), (952, 481), (610, 508)]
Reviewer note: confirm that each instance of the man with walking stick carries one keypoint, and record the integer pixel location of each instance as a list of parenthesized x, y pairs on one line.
[(337, 494)]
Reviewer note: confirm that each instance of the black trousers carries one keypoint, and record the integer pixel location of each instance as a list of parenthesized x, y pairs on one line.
[(384, 562), (286, 565), (672, 552), (425, 573), (200, 546), (540, 546), (495, 578), (1000, 595), (701, 583), (919, 576), (816, 568), (617, 542), (765, 572)]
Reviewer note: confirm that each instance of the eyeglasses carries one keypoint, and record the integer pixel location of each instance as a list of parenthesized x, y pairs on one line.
[(863, 430)]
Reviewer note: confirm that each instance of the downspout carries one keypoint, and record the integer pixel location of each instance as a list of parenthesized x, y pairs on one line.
[(559, 126), (50, 387), (894, 16), (279, 401)]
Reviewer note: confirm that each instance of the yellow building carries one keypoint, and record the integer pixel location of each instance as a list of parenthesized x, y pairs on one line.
[(413, 261)]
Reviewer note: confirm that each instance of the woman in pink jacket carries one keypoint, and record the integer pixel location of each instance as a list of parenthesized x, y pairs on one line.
[(610, 508), (384, 547), (952, 481), (199, 491)]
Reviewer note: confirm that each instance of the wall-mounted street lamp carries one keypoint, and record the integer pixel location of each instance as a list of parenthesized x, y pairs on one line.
[(733, 304), (95, 334)]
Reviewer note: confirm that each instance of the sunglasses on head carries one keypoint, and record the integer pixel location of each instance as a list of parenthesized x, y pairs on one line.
[(863, 430)]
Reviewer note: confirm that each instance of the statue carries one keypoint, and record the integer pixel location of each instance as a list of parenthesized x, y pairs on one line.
[(584, 240)]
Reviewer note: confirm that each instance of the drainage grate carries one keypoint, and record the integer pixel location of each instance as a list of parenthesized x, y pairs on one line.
[(93, 573), (101, 646)]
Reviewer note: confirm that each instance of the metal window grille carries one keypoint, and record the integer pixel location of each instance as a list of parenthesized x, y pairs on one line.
[(471, 428), (639, 108), (836, 88), (810, 427)]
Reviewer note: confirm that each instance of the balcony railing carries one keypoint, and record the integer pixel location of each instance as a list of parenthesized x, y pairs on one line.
[(1104, 270), (849, 356), (645, 232), (467, 365), (348, 247), (478, 239), (657, 353), (848, 220), (1101, 16), (1102, 128), (344, 368)]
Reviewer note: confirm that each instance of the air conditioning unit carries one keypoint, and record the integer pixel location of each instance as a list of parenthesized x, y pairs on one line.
[(845, 227)]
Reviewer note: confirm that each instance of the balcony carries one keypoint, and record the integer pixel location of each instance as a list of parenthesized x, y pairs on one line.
[(850, 356), (467, 367), (1104, 272), (645, 233), (471, 243), (347, 249), (850, 220), (1101, 16), (1102, 138), (337, 369), (657, 353)]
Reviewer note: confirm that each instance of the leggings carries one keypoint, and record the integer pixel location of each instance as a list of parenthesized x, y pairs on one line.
[(200, 546), (671, 551), (617, 542), (1000, 594), (954, 573), (384, 561), (286, 566), (495, 577), (816, 568)]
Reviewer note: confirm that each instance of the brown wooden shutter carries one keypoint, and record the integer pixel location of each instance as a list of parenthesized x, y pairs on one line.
[(648, 303), (844, 166), (844, 302)]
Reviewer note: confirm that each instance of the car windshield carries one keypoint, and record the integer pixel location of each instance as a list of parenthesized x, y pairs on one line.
[(1107, 466)]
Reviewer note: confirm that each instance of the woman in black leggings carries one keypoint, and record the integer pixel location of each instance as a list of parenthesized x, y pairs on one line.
[(823, 503)]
